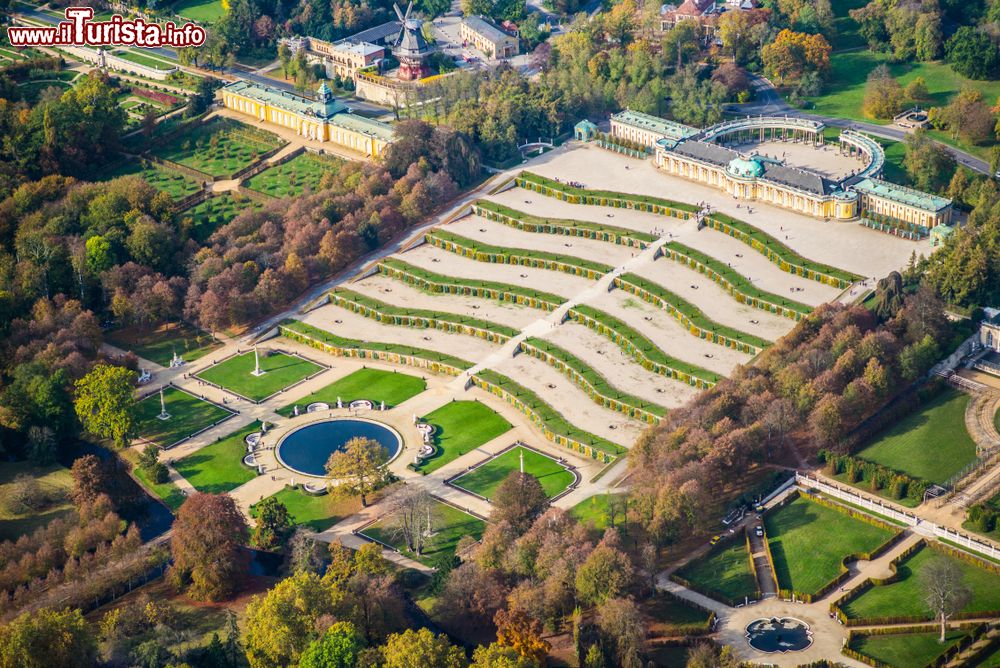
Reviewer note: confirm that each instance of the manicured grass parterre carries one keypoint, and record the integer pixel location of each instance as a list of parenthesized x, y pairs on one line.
[(905, 595), (594, 511), (461, 427), (905, 650), (319, 513), (202, 11), (56, 484), (809, 542), (176, 184), (208, 216), (219, 468), (280, 371), (219, 147), (305, 170), (375, 385), (932, 443), (159, 344), (724, 573), (168, 492), (485, 479), (31, 90), (448, 523), (188, 414)]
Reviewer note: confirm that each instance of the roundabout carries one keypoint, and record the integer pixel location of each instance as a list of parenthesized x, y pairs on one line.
[(306, 449)]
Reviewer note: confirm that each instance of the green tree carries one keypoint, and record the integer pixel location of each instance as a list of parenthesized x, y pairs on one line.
[(519, 500), (496, 655), (696, 101), (105, 403), (917, 91), (916, 358), (883, 94), (47, 639), (927, 163), (421, 649), (606, 573), (99, 254), (681, 43), (972, 53), (338, 647), (274, 524), (360, 467), (281, 623)]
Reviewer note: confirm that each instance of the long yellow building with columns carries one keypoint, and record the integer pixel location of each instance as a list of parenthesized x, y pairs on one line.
[(325, 119)]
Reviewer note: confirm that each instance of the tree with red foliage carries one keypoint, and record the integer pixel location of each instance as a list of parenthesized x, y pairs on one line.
[(207, 546)]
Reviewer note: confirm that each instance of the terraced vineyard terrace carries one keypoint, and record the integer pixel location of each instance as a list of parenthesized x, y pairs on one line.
[(485, 253), (575, 228), (741, 288), (641, 348), (387, 313), (586, 377)]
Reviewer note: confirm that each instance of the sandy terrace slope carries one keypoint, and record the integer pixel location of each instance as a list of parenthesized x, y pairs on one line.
[(618, 368)]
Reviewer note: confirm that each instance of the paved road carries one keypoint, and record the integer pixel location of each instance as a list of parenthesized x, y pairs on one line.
[(769, 103)]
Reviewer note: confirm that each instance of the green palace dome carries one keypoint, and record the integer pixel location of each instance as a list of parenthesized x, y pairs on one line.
[(746, 168)]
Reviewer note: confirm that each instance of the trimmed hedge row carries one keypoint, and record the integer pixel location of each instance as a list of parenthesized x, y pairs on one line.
[(572, 228), (765, 244), (689, 315), (574, 195), (593, 383), (650, 356), (370, 307), (736, 284), (878, 476), (844, 574), (780, 254), (474, 250), (555, 427), (440, 283), (315, 337)]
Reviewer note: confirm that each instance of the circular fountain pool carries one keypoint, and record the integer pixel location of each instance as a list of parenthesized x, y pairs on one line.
[(779, 634), (307, 449)]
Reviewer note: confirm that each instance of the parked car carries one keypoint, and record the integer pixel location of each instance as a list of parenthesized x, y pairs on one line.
[(759, 531), (715, 539)]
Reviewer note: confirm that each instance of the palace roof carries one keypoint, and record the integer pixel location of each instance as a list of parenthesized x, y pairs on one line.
[(902, 194), (282, 99)]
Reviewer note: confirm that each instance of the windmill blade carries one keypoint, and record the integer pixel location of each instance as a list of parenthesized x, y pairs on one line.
[(399, 13), (409, 9)]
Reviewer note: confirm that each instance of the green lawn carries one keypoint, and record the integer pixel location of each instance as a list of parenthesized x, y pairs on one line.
[(809, 542), (448, 523), (844, 94), (291, 178), (208, 216), (219, 147), (484, 480), (168, 492), (593, 511), (218, 468), (991, 660), (280, 371), (373, 384), (170, 181), (319, 513), (55, 482), (203, 11), (188, 414), (143, 59), (159, 344), (32, 89), (462, 426), (905, 597), (931, 444), (723, 573), (905, 650)]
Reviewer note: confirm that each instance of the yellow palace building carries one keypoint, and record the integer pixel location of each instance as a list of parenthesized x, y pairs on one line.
[(325, 119)]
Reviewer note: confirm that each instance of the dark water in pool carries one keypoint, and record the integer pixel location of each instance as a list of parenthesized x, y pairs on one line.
[(307, 450), (779, 635)]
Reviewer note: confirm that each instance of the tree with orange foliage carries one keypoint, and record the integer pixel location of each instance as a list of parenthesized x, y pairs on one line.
[(517, 630), (793, 54), (207, 547)]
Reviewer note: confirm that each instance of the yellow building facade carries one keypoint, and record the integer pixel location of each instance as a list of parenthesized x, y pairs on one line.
[(324, 119)]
